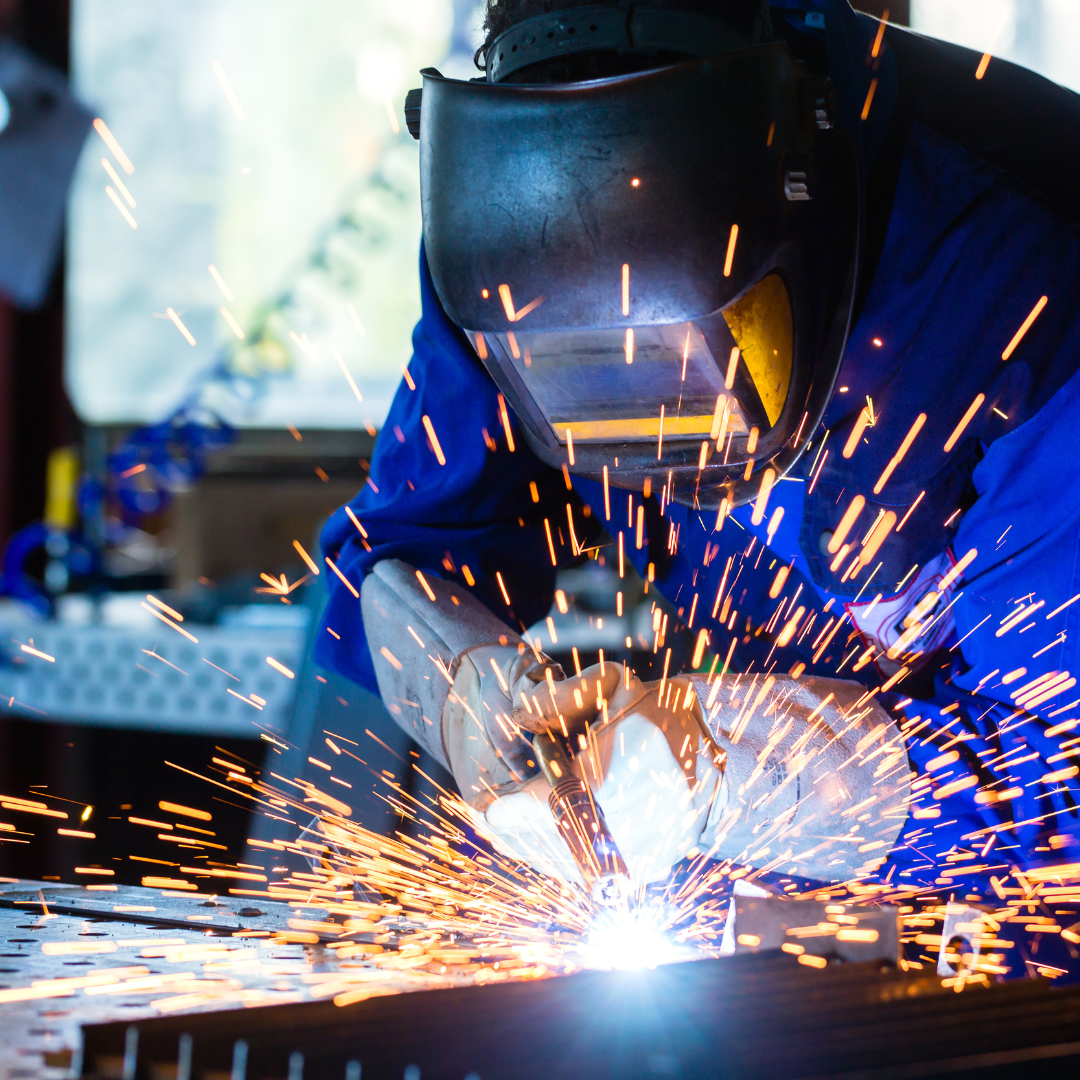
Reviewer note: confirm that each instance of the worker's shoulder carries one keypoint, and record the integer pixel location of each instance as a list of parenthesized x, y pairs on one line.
[(1011, 118)]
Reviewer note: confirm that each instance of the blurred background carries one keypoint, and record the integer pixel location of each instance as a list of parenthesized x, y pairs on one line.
[(206, 300)]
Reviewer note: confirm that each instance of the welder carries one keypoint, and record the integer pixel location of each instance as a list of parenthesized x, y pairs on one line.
[(778, 304)]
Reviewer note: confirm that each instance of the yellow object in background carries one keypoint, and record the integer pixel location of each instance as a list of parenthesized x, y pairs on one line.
[(61, 488)]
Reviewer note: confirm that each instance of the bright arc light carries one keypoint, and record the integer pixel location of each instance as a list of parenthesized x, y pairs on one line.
[(628, 940)]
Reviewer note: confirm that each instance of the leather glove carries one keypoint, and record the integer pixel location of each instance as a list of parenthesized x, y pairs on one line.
[(500, 697), (818, 775), (655, 772), (797, 775), (463, 684)]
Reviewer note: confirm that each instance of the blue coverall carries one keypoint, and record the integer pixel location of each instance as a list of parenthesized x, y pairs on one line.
[(968, 254)]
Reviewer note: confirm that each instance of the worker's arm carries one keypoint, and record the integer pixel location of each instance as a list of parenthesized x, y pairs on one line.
[(472, 519), (1007, 707), (462, 683)]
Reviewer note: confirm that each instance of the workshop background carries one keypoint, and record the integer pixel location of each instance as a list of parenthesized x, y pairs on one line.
[(209, 231)]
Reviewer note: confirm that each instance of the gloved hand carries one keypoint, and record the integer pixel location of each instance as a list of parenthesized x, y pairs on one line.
[(466, 687), (801, 775), (653, 769), (500, 697)]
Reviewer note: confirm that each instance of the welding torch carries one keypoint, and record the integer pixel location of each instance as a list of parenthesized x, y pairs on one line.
[(581, 824)]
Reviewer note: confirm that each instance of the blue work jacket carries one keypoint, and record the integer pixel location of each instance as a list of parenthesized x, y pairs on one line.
[(985, 499)]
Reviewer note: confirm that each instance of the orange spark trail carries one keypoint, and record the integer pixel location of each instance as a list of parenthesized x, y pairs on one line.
[(861, 424), (180, 326), (345, 581), (910, 510), (730, 258), (440, 457), (110, 141), (905, 446), (306, 557), (852, 512), (1024, 327)]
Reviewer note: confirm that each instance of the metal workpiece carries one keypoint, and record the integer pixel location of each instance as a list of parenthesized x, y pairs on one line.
[(762, 1016), (581, 824), (835, 931)]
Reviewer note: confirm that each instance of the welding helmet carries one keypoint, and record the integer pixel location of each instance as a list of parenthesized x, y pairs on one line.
[(657, 268)]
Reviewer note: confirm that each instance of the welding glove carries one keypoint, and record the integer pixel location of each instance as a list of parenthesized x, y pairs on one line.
[(653, 769), (817, 775), (808, 776), (466, 687)]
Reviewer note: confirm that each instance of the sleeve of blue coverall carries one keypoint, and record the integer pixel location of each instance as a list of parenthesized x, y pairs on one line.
[(998, 748), (470, 515)]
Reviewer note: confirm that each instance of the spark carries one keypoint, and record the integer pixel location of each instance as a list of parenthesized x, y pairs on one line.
[(110, 141), (355, 520), (844, 527), (730, 257), (37, 652), (122, 208), (984, 63), (626, 289), (344, 580), (434, 439), (868, 102), (305, 346), (1062, 607), (185, 811), (234, 326), (973, 408), (348, 374), (425, 586), (220, 282), (880, 34), (865, 420), (507, 302), (306, 557), (910, 510), (278, 666), (909, 438), (733, 363), (226, 86), (120, 185), (1024, 327), (280, 586), (168, 622), (762, 500), (180, 326)]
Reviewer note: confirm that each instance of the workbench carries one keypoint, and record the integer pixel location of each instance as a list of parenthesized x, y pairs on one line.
[(126, 983)]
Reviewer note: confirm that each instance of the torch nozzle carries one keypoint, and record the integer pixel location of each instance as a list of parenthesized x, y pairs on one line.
[(582, 826)]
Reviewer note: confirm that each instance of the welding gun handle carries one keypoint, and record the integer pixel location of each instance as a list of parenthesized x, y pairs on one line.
[(578, 816), (553, 759)]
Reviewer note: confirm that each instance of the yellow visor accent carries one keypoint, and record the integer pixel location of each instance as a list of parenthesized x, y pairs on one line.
[(642, 427), (760, 323)]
